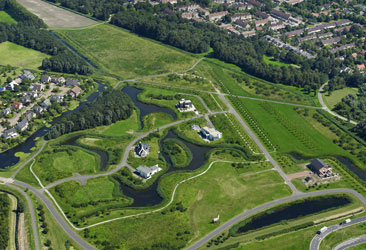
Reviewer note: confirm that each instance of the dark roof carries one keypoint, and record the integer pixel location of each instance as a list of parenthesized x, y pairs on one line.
[(261, 14), (280, 14), (45, 78), (331, 41), (318, 164)]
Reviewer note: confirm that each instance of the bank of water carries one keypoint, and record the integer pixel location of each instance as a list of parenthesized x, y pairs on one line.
[(8, 158), (294, 211)]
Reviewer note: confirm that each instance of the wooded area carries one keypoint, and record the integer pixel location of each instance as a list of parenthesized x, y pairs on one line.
[(111, 107), (4, 218)]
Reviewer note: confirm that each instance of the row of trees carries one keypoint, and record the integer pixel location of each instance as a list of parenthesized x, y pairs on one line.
[(111, 107), (29, 32)]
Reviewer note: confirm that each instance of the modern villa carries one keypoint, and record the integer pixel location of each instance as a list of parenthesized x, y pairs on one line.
[(320, 168), (210, 134), (185, 105), (142, 150)]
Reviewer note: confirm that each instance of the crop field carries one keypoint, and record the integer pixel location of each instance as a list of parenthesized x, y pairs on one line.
[(57, 164), (124, 54), (225, 189), (337, 95), (6, 18), (19, 56), (282, 129)]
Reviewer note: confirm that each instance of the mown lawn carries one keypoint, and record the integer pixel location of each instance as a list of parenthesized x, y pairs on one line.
[(16, 55), (6, 18), (52, 166), (120, 128), (121, 53), (337, 95), (270, 60)]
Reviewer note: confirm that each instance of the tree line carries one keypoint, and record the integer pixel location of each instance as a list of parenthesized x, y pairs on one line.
[(110, 107), (29, 32)]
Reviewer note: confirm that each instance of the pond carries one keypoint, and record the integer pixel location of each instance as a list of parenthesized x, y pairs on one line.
[(145, 108), (8, 158), (294, 211)]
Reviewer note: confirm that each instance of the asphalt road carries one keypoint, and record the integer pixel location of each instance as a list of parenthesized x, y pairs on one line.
[(255, 210), (316, 241), (351, 242), (325, 107)]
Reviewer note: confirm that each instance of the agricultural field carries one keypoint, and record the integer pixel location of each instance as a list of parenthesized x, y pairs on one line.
[(6, 18), (225, 189), (336, 96), (19, 56), (125, 55)]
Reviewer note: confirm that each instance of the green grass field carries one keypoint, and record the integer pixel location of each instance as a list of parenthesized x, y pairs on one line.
[(120, 128), (337, 95), (270, 60), (6, 18), (223, 190), (126, 55), (52, 166), (20, 56)]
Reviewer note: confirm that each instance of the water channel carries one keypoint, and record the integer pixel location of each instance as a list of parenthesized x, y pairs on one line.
[(294, 211)]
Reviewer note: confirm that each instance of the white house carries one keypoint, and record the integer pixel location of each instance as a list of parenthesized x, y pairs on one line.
[(210, 134), (147, 172), (185, 105)]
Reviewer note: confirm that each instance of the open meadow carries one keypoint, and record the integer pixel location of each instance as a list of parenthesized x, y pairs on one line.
[(124, 54), (6, 18), (19, 56), (336, 96)]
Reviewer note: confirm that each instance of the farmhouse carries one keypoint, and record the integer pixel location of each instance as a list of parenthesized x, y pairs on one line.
[(10, 133), (210, 134), (147, 172), (320, 168), (142, 150)]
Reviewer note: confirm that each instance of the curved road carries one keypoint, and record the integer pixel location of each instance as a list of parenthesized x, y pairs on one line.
[(351, 243), (255, 210), (325, 107), (316, 241)]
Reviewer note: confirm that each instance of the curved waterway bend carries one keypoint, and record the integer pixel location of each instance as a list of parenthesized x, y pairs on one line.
[(8, 158), (145, 108)]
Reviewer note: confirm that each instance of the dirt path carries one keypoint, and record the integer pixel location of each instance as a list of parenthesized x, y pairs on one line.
[(55, 17), (12, 222), (22, 234), (298, 175)]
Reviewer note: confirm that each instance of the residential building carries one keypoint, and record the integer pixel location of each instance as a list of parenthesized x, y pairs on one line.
[(72, 82), (262, 22), (343, 47), (190, 7), (217, 15), (47, 103), (38, 109), (30, 115), (241, 6), (255, 3), (6, 111), (38, 87), (25, 99), (277, 26), (331, 41), (23, 125), (185, 104), (167, 12), (27, 75), (147, 172), (242, 24), (241, 16), (307, 38), (10, 133), (325, 35), (169, 1), (75, 92), (203, 11), (57, 98), (11, 85), (45, 79), (249, 33), (58, 80), (17, 105), (210, 134), (361, 67), (280, 14), (261, 14), (142, 150), (318, 167)]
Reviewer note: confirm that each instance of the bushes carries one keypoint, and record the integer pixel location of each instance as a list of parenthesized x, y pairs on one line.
[(4, 218), (178, 153)]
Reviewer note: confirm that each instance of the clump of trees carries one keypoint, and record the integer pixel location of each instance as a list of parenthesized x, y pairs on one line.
[(111, 107)]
